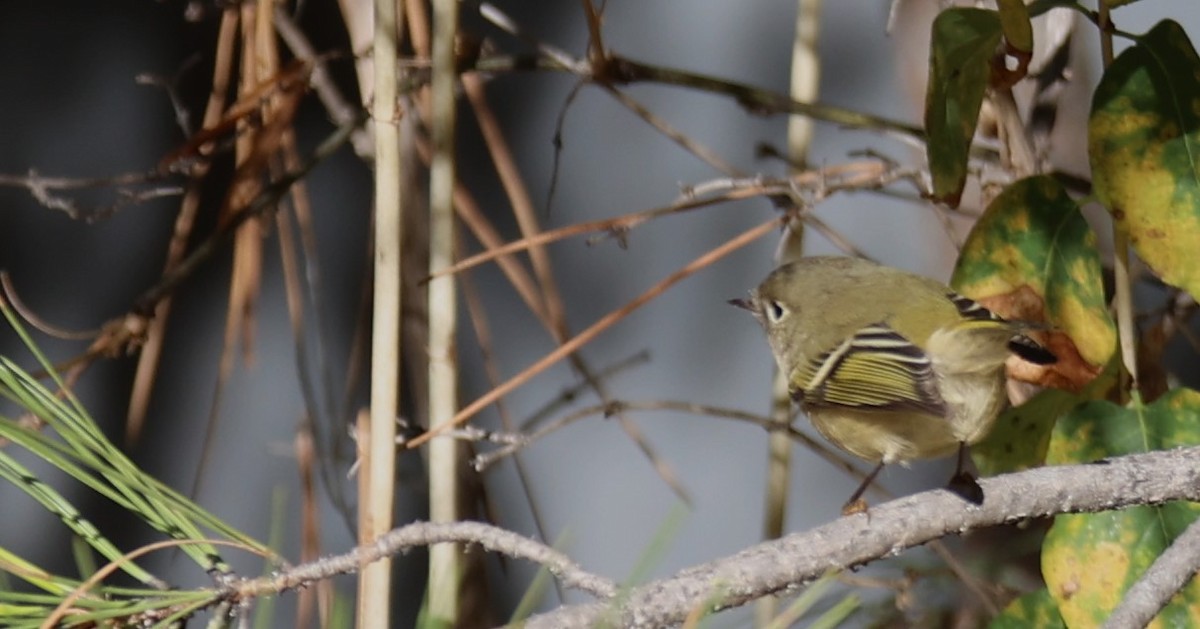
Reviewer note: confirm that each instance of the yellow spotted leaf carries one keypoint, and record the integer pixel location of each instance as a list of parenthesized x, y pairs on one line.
[(1021, 435), (1090, 560), (1144, 148), (1032, 257), (1035, 609)]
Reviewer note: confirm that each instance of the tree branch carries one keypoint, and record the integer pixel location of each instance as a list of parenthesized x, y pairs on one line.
[(889, 529), (1166, 576), (418, 534)]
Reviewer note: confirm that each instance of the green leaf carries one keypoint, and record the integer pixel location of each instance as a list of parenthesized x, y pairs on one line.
[(1144, 143), (1032, 256), (1021, 435), (963, 44), (1040, 7), (1098, 429), (1090, 560), (1014, 23), (1035, 609)]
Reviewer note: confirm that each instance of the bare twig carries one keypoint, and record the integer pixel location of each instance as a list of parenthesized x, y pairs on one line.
[(1166, 576), (513, 443), (25, 312), (500, 20), (601, 325), (185, 220), (424, 534), (170, 85), (47, 191), (340, 110), (1141, 479), (823, 182), (569, 394), (706, 155), (890, 528)]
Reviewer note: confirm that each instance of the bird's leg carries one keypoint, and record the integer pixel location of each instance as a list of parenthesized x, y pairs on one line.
[(963, 482), (856, 504)]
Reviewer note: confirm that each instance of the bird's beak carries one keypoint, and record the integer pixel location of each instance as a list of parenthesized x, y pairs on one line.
[(744, 304)]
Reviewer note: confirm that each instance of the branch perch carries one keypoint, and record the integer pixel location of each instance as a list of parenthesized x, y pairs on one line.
[(891, 528)]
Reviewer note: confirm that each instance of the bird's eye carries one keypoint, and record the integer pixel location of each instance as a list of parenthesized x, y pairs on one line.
[(775, 311)]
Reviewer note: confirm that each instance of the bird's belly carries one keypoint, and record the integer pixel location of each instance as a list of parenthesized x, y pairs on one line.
[(973, 401), (886, 436)]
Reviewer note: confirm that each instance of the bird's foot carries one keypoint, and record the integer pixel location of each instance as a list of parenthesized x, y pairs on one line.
[(966, 487)]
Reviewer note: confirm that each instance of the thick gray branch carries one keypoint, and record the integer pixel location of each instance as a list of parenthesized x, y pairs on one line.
[(891, 528), (1169, 573)]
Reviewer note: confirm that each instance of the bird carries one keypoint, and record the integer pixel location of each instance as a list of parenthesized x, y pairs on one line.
[(888, 365)]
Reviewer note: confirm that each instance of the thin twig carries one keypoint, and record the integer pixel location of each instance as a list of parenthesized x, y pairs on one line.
[(148, 359), (44, 190), (340, 110), (170, 85), (601, 325), (513, 443), (705, 154), (570, 394), (36, 321), (420, 534)]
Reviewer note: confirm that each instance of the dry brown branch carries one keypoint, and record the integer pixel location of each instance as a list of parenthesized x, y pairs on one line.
[(823, 182), (185, 220), (599, 326)]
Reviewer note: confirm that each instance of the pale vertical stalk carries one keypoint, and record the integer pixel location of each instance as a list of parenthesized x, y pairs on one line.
[(445, 560), (806, 77), (1122, 277), (359, 17), (805, 85), (1123, 301), (376, 511)]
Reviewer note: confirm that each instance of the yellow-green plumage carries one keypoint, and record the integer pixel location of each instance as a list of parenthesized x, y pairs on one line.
[(888, 365)]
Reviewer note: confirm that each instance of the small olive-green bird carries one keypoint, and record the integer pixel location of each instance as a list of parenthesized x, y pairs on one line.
[(888, 365)]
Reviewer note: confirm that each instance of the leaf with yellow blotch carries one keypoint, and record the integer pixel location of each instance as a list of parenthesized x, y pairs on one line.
[(1021, 435), (1090, 560), (1032, 257), (1143, 139), (963, 44), (1035, 609)]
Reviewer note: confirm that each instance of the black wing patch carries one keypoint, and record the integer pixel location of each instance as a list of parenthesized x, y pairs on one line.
[(1021, 345), (971, 309)]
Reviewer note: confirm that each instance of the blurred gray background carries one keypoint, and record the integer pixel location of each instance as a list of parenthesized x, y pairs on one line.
[(70, 107)]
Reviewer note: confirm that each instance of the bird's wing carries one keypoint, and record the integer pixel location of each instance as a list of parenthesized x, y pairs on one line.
[(874, 369)]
